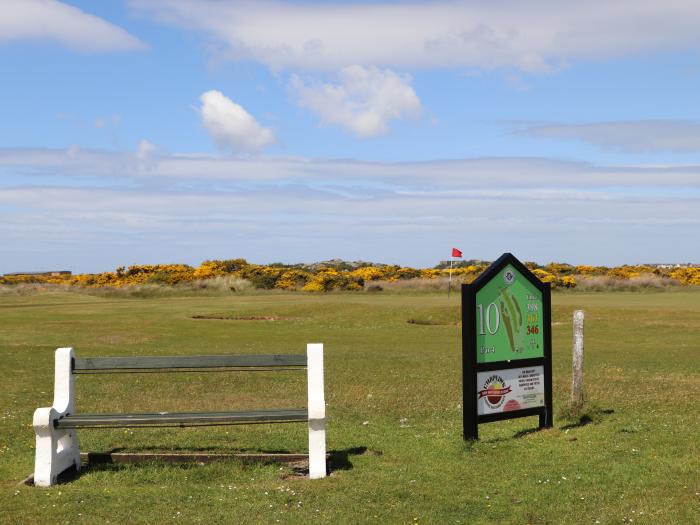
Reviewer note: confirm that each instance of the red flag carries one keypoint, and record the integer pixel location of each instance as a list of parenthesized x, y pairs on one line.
[(456, 252)]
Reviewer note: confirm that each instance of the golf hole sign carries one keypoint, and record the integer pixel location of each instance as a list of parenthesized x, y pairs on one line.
[(506, 346)]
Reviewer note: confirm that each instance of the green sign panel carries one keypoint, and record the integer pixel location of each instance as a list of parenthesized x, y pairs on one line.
[(509, 318), (506, 346)]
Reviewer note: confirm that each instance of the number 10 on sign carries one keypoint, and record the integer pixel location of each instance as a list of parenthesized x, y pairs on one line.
[(489, 315)]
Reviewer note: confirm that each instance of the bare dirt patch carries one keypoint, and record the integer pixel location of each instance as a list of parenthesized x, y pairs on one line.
[(241, 317), (432, 322)]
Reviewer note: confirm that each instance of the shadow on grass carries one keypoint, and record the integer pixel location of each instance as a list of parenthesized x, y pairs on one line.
[(526, 432), (469, 444), (340, 459), (68, 475), (594, 415), (337, 460), (117, 458), (581, 418), (582, 421)]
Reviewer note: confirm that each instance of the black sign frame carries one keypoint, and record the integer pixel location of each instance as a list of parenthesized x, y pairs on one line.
[(470, 367)]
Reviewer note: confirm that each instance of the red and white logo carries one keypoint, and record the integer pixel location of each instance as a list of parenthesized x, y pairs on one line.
[(495, 391)]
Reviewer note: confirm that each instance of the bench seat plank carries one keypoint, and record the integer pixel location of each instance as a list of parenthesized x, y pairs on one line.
[(196, 361), (181, 418)]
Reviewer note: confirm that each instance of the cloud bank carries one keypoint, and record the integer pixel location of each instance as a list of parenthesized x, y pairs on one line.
[(55, 21), (438, 176), (231, 126), (144, 206), (638, 136), (531, 37)]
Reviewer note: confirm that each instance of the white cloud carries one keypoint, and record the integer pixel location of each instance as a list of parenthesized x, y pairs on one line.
[(68, 25), (363, 100), (231, 126), (639, 136), (511, 173), (532, 37)]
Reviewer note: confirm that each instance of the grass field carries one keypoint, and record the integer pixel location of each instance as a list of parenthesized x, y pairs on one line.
[(393, 392)]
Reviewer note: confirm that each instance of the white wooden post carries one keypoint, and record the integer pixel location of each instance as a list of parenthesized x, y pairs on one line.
[(56, 450), (317, 411), (577, 363)]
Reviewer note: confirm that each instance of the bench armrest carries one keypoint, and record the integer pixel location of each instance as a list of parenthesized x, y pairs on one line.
[(56, 450)]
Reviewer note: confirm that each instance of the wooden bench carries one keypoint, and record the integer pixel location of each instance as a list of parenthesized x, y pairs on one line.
[(57, 447)]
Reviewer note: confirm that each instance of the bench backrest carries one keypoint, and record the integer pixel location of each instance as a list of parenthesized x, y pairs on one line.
[(96, 365)]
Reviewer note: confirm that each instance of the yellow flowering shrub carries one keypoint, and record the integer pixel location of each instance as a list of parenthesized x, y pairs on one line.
[(97, 280), (261, 276), (585, 269), (407, 273), (545, 276), (559, 268), (567, 281), (624, 272), (158, 273), (369, 273), (21, 279), (293, 280), (330, 279), (339, 275), (466, 270), (220, 267), (689, 276)]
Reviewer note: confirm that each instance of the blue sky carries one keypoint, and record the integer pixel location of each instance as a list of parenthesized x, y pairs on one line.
[(146, 131)]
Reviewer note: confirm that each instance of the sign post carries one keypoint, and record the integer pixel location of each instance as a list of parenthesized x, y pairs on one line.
[(506, 346)]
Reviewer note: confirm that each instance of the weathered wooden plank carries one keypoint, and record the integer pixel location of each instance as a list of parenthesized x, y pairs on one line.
[(181, 418), (193, 361), (189, 457)]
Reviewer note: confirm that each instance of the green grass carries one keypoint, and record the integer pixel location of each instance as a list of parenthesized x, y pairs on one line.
[(393, 392)]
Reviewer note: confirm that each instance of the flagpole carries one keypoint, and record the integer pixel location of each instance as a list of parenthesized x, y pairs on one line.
[(449, 284)]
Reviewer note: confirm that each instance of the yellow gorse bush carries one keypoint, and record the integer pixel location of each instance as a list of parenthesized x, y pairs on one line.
[(370, 273), (686, 275), (330, 279), (323, 277), (293, 280)]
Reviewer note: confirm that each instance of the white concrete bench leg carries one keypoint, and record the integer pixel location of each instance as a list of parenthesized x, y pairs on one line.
[(56, 450), (317, 412)]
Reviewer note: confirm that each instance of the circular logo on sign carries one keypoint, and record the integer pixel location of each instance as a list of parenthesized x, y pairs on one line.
[(495, 391), (509, 276)]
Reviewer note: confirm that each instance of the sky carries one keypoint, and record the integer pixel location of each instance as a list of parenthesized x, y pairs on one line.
[(175, 131)]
